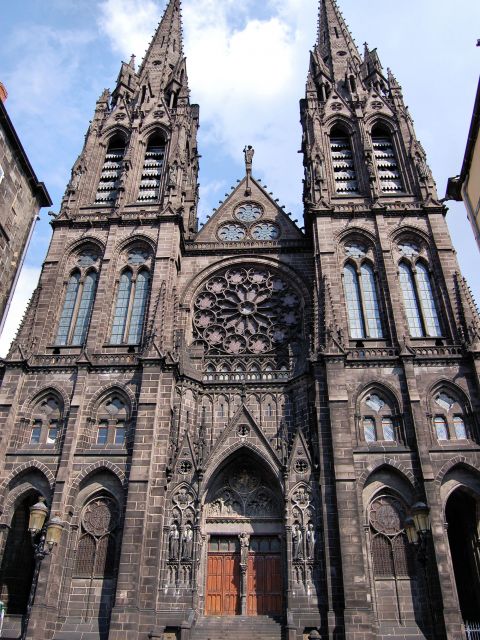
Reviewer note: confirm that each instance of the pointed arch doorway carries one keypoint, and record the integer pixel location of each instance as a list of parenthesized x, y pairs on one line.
[(243, 521)]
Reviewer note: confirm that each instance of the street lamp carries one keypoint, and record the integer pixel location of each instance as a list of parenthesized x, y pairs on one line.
[(44, 538), (418, 528)]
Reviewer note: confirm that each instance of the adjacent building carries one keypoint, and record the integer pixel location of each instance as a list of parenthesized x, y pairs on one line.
[(236, 424), (21, 198), (466, 186)]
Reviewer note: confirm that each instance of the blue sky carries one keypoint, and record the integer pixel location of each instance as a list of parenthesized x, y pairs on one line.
[(247, 64)]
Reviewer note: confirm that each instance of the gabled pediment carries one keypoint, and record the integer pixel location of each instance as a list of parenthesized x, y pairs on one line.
[(249, 216)]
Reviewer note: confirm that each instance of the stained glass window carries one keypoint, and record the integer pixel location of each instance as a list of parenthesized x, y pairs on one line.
[(354, 304), (427, 301), (388, 429), (121, 308), (68, 309), (139, 306), (410, 299), (85, 309), (370, 302), (369, 430)]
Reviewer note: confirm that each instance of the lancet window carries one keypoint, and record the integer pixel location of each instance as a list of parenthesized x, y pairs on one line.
[(385, 158), (419, 300), (345, 175), (96, 550), (361, 294), (152, 169), (112, 421), (111, 171), (449, 419), (79, 298), (132, 298)]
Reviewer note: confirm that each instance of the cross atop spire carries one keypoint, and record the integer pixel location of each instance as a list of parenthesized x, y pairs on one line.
[(335, 44), (166, 48)]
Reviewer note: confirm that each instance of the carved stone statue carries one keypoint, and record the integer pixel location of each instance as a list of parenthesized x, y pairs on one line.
[(244, 545), (173, 542), (310, 536), (187, 543), (297, 539), (249, 152)]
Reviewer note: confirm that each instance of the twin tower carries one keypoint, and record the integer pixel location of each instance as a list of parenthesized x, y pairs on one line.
[(239, 426)]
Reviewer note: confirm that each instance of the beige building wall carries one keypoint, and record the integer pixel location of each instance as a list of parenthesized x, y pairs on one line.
[(471, 190)]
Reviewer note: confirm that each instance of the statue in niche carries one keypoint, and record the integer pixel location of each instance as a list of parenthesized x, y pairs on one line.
[(297, 539), (187, 543), (173, 542), (310, 537)]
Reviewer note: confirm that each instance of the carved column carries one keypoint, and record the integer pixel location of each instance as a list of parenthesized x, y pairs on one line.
[(244, 551)]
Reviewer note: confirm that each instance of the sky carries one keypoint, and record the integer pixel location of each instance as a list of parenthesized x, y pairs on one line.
[(247, 64)]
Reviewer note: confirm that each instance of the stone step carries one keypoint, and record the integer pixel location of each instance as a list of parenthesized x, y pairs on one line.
[(238, 627)]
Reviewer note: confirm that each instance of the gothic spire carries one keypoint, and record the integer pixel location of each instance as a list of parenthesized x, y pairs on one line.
[(335, 44), (165, 51)]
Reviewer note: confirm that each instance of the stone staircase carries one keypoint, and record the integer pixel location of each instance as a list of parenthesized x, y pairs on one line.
[(237, 628)]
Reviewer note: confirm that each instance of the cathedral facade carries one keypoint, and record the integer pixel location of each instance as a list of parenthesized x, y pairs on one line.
[(237, 425)]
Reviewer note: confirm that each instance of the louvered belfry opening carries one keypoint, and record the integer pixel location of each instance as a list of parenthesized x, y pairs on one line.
[(387, 166), (152, 169), (343, 164), (111, 171)]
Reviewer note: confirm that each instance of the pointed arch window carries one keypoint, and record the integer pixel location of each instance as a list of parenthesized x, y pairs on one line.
[(385, 158), (132, 298), (379, 423), (96, 550), (362, 302), (420, 307), (345, 175), (152, 169), (77, 309), (391, 553), (111, 171), (450, 419)]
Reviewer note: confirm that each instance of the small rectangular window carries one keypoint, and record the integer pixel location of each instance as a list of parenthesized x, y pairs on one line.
[(120, 433), (369, 429), (2, 174), (388, 430), (460, 430), (36, 433), (102, 434), (52, 433), (441, 428)]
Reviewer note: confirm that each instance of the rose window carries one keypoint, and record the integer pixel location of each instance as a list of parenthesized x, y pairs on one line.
[(231, 233), (265, 231), (246, 311), (248, 213)]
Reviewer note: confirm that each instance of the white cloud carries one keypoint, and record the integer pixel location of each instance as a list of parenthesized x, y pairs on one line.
[(128, 24), (25, 287)]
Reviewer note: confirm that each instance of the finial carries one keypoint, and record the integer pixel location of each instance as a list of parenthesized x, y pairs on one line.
[(132, 61), (249, 152)]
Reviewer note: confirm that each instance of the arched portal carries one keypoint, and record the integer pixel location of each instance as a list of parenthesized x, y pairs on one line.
[(18, 563), (243, 522), (462, 514)]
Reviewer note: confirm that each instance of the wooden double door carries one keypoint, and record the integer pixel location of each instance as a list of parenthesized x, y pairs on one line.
[(261, 587)]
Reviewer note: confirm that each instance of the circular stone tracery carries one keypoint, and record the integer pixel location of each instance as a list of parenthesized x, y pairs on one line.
[(246, 310)]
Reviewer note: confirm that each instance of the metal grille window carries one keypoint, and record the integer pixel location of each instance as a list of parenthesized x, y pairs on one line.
[(132, 298), (449, 420), (343, 163), (387, 166), (111, 172), (96, 548), (362, 302), (149, 190), (419, 301)]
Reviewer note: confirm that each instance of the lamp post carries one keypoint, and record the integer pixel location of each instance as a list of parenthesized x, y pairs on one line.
[(44, 538), (418, 528)]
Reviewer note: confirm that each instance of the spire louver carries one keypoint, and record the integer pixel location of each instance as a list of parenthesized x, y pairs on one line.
[(152, 172), (387, 167), (343, 165), (110, 176)]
